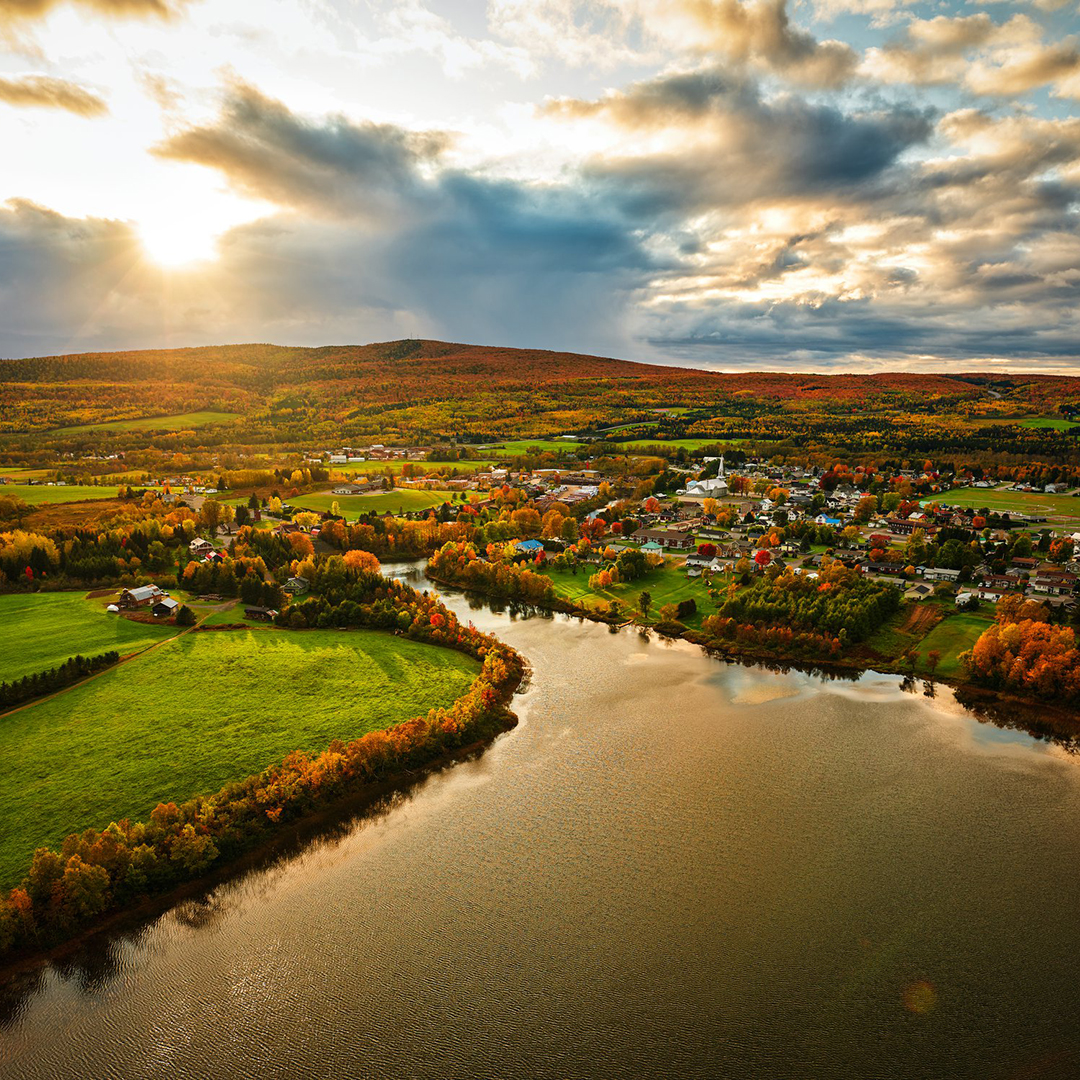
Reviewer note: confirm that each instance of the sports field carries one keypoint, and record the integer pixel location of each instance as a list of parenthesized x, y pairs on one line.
[(202, 710), (1059, 509)]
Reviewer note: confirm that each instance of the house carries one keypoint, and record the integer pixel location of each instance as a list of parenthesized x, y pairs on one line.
[(264, 614), (919, 592), (297, 585), (939, 573), (144, 596), (287, 528), (1054, 583), (703, 562), (200, 548), (823, 519), (532, 548), (651, 547), (166, 607)]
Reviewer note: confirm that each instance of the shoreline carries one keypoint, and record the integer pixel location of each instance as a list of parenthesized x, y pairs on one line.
[(278, 841), (980, 696)]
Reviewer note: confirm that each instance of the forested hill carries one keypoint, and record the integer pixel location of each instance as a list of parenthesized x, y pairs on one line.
[(465, 388)]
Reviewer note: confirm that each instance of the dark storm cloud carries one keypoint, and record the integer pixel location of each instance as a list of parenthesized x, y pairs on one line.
[(336, 166), (738, 145)]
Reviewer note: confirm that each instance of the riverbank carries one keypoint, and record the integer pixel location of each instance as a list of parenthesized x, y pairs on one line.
[(97, 874), (282, 843), (1042, 715)]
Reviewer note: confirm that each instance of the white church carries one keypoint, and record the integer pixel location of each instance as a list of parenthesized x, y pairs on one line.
[(715, 487)]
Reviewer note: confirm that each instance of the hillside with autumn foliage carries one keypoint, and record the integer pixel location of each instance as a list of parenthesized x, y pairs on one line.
[(437, 388)]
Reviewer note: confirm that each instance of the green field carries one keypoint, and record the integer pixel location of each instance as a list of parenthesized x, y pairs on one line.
[(518, 447), (179, 422), (377, 502), (667, 585), (24, 474), (379, 468), (953, 635), (201, 711), (1055, 424), (43, 495), (40, 630), (1060, 508)]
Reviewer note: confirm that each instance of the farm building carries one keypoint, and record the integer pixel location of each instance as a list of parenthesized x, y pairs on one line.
[(166, 607), (265, 614), (144, 596)]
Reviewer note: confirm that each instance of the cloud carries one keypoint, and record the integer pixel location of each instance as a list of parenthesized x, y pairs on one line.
[(46, 92), (987, 58), (25, 11), (266, 151), (711, 141), (759, 34)]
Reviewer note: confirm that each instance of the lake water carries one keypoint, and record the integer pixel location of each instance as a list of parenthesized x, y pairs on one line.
[(672, 867)]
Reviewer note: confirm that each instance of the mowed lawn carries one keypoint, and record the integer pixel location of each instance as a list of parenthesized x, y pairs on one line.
[(377, 502), (177, 422), (44, 495), (666, 585), (952, 636), (40, 630), (1055, 507), (205, 709)]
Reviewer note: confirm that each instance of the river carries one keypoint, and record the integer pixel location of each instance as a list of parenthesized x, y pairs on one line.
[(673, 866)]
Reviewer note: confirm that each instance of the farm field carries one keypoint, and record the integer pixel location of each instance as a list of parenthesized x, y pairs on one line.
[(25, 474), (380, 468), (205, 709), (378, 502), (1060, 508), (177, 422), (40, 630), (686, 444), (1055, 424), (43, 495), (517, 447)]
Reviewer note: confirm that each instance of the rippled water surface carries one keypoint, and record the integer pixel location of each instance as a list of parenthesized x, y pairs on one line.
[(672, 867)]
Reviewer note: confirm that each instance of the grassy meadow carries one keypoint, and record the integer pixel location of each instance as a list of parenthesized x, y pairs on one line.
[(952, 636), (667, 584), (377, 502), (201, 711), (177, 422), (40, 630), (43, 495)]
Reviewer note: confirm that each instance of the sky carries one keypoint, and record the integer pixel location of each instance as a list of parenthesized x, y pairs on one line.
[(819, 185)]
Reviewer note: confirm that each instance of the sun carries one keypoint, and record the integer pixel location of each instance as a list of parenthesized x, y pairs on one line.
[(175, 242)]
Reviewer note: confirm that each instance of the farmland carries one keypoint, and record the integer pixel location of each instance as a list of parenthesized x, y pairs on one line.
[(179, 422), (377, 502), (132, 737), (40, 630), (44, 495)]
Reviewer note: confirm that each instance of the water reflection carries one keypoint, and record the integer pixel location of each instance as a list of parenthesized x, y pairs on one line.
[(676, 865)]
